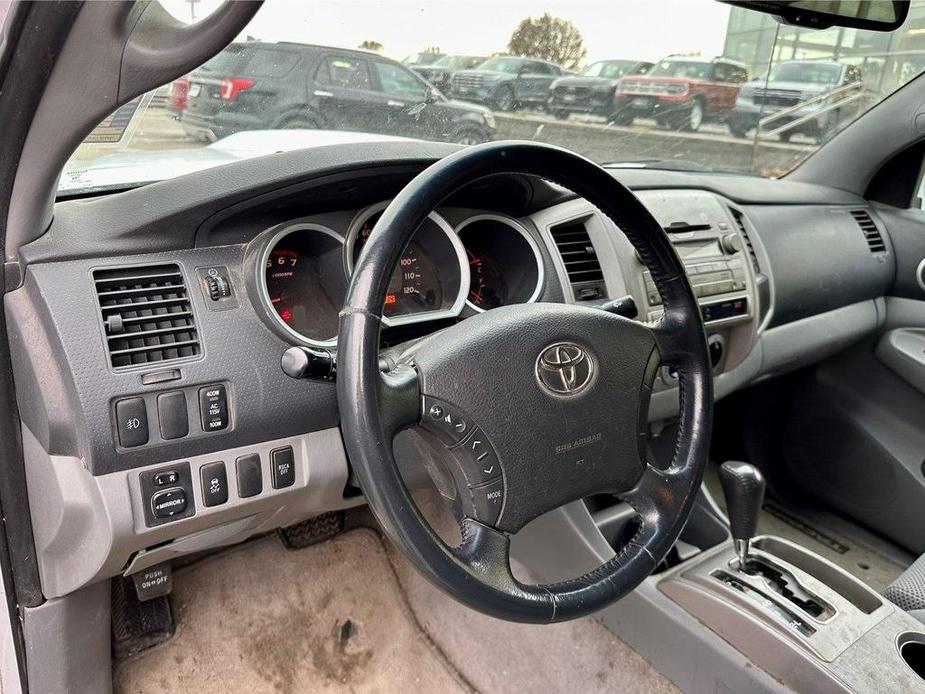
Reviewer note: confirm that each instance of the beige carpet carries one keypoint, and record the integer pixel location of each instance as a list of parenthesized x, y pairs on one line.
[(346, 616)]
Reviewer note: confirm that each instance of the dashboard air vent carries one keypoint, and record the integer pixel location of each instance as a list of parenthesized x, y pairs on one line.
[(870, 231), (580, 260), (740, 225), (146, 314)]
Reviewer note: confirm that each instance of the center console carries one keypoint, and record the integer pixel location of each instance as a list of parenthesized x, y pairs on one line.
[(800, 618)]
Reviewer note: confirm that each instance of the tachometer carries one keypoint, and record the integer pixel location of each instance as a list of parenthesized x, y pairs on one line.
[(303, 281)]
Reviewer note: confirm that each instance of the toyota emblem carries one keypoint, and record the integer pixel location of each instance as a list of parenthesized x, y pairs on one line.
[(564, 369)]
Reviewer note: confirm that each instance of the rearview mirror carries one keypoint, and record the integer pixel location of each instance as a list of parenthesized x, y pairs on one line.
[(874, 15)]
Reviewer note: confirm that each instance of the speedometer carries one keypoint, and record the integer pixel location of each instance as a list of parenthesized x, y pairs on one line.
[(415, 285), (432, 277)]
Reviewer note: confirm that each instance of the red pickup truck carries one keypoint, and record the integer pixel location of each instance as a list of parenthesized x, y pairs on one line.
[(681, 92)]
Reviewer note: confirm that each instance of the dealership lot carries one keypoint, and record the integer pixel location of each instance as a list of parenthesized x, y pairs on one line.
[(592, 137)]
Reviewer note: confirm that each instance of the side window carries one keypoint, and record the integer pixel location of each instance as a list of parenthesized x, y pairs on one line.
[(739, 75), (396, 81), (346, 73), (535, 68), (852, 74), (722, 72)]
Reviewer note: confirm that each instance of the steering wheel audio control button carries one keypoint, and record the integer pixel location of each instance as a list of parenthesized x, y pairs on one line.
[(487, 500), (479, 461), (444, 420)]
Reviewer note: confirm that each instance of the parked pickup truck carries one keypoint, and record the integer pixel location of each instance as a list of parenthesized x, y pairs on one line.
[(794, 82), (593, 90), (681, 92)]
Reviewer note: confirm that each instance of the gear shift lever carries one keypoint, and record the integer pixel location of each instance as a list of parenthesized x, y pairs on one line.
[(743, 487)]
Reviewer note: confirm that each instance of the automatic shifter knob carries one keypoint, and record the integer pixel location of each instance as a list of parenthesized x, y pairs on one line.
[(743, 487)]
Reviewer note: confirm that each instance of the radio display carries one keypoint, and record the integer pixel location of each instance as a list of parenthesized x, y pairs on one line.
[(695, 250)]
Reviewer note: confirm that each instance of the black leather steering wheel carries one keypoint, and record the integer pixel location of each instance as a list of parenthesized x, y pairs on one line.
[(552, 396)]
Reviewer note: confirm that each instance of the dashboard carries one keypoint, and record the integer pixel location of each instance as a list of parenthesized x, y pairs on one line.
[(147, 328)]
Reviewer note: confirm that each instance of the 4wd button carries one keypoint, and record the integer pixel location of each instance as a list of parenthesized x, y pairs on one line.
[(446, 421), (168, 503), (487, 501)]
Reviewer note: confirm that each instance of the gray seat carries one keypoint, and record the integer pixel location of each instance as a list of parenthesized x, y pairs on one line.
[(908, 591)]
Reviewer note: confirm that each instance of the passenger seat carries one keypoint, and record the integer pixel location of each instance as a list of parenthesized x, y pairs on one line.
[(908, 591)]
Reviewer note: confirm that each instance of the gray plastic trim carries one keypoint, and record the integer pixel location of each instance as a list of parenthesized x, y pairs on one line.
[(903, 351), (103, 515), (793, 345), (68, 642)]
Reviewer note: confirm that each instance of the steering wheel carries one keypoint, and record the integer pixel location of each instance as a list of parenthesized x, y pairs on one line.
[(540, 404)]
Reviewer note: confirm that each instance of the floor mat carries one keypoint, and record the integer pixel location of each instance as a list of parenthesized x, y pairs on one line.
[(857, 551), (335, 618)]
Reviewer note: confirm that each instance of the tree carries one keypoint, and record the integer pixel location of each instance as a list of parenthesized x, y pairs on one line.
[(548, 38), (372, 46)]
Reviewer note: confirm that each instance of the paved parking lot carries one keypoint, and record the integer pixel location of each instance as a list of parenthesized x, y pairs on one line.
[(594, 138)]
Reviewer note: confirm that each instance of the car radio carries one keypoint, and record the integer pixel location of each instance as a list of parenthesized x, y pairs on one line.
[(716, 269)]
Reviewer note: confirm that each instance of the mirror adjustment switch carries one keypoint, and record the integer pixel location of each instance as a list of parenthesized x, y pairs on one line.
[(250, 476), (214, 482), (168, 503), (166, 479), (213, 408), (167, 494), (172, 416), (445, 420), (132, 422), (282, 466)]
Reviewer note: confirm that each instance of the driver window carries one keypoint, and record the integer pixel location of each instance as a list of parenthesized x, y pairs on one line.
[(396, 81)]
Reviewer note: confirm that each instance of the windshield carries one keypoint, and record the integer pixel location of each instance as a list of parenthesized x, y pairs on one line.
[(730, 90), (681, 68), (610, 70), (423, 58), (511, 65), (460, 62), (809, 73)]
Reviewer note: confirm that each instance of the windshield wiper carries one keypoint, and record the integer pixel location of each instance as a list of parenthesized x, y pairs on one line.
[(666, 164)]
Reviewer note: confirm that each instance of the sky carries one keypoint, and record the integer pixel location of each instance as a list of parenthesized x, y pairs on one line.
[(630, 29)]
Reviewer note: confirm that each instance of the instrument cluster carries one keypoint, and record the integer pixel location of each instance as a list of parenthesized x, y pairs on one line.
[(303, 268)]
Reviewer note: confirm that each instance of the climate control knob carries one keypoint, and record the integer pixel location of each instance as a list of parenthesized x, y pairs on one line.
[(732, 244)]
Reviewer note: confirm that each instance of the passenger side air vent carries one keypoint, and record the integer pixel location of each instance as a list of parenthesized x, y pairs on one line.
[(580, 260), (146, 314), (740, 225), (871, 233)]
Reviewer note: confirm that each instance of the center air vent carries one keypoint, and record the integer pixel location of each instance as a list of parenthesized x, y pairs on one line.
[(580, 260), (740, 225), (146, 314), (870, 231)]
